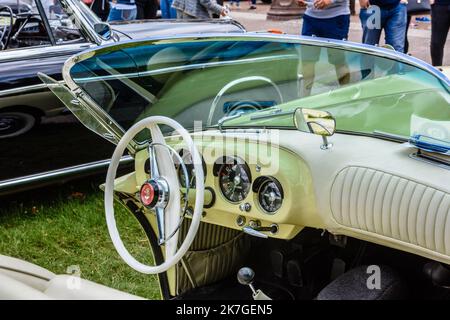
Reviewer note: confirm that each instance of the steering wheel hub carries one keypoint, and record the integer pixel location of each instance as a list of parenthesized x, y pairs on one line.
[(155, 193)]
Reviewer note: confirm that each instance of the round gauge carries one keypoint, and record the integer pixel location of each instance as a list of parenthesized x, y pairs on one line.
[(270, 195), (187, 159), (234, 180)]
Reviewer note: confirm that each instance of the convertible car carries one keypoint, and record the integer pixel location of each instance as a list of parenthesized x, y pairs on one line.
[(267, 167), (39, 36)]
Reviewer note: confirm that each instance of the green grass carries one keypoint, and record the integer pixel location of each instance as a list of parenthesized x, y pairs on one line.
[(65, 226)]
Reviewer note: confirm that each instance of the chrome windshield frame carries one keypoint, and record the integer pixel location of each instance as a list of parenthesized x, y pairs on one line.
[(85, 22)]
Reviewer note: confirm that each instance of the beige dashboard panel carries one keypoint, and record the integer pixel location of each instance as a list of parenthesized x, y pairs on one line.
[(271, 161), (366, 188)]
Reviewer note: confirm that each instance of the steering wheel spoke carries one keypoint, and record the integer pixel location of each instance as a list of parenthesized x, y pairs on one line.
[(154, 171), (160, 220)]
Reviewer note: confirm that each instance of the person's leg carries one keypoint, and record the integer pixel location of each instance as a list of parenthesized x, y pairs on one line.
[(310, 54), (408, 22), (253, 4), (151, 8), (172, 11), (129, 14), (440, 23), (338, 28), (164, 5), (140, 6), (395, 27), (372, 25), (115, 15)]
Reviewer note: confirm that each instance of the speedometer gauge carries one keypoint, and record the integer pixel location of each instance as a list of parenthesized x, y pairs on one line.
[(270, 195), (234, 180)]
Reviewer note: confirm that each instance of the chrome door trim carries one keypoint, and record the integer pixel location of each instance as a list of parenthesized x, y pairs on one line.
[(25, 89), (27, 182), (43, 52)]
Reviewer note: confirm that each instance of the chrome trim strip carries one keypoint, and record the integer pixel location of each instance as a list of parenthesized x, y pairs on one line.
[(432, 161), (21, 90), (11, 185), (44, 51)]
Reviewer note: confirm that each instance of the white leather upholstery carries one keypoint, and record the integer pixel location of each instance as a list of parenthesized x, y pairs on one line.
[(23, 280), (26, 272), (391, 206), (63, 287)]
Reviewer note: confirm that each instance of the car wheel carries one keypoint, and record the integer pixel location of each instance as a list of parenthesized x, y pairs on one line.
[(14, 123)]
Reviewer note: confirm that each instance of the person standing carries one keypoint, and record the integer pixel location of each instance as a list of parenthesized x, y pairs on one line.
[(440, 25), (122, 10), (167, 11), (326, 19), (198, 9), (389, 15), (146, 9)]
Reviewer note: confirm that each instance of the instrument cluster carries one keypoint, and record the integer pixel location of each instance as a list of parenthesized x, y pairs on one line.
[(234, 180)]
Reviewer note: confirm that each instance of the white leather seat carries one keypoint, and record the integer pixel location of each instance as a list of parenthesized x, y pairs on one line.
[(23, 280)]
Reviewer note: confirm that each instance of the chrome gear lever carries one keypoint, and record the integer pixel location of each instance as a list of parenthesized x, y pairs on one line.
[(245, 277)]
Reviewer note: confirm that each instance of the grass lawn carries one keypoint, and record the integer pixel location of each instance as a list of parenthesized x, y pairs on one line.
[(62, 226)]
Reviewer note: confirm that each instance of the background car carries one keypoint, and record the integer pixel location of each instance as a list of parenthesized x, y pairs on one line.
[(37, 133)]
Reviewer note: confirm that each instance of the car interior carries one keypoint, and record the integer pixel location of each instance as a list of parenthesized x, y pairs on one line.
[(265, 169)]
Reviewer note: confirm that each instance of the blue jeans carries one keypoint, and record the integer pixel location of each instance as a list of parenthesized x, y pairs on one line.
[(167, 12), (393, 21), (122, 15), (331, 28)]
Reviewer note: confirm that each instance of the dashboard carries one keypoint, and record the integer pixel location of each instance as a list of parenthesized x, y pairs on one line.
[(247, 184), (370, 189)]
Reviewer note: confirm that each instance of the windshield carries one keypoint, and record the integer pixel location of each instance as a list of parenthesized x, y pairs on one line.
[(251, 82)]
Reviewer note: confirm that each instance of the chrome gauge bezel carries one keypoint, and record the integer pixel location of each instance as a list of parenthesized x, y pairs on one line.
[(244, 166), (264, 180)]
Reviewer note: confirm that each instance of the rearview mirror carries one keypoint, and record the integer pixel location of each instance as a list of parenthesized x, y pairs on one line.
[(103, 30), (316, 122)]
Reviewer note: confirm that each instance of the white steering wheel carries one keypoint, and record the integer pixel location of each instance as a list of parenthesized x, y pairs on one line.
[(160, 193)]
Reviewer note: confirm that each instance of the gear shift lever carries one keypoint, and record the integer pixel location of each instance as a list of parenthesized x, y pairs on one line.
[(245, 277)]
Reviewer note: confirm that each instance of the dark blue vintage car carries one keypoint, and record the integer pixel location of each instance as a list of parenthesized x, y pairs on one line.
[(40, 141)]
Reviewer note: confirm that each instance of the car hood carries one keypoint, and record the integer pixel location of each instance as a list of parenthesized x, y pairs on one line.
[(145, 28)]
